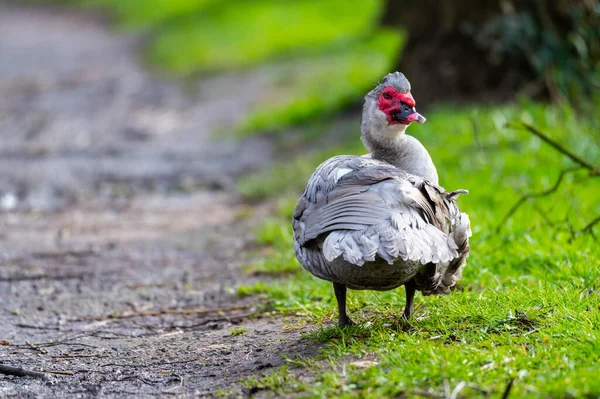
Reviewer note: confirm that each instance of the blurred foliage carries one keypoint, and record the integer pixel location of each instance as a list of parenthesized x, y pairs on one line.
[(315, 87), (320, 55), (560, 43), (323, 55), (243, 33), (188, 36)]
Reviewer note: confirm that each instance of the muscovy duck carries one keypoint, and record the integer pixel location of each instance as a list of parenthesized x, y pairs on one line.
[(380, 220)]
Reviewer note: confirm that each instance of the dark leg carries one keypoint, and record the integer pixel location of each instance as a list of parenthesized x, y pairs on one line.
[(340, 295), (410, 288)]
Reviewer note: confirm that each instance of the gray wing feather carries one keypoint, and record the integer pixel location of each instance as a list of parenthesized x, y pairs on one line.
[(359, 208)]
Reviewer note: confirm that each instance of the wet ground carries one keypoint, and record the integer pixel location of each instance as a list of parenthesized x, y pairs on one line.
[(121, 237)]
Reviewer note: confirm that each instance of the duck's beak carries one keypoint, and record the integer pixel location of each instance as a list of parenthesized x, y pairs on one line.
[(407, 115), (416, 117)]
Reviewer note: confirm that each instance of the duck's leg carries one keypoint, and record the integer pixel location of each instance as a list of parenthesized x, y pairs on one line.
[(340, 295), (410, 288)]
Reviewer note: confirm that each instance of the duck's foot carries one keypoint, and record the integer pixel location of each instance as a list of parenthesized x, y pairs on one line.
[(340, 295), (410, 288), (345, 321)]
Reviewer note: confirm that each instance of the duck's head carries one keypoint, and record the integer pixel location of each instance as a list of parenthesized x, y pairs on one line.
[(389, 108)]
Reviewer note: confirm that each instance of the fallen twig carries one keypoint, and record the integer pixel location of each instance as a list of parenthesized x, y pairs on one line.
[(160, 313), (477, 388), (575, 158), (35, 348), (36, 345), (63, 254), (526, 197), (173, 388), (231, 319), (75, 276), (589, 227), (69, 356), (426, 394), (508, 388), (21, 372), (60, 372), (459, 387), (593, 171), (136, 365), (36, 327)]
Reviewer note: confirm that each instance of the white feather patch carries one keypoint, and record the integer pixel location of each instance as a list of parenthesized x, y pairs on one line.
[(341, 172)]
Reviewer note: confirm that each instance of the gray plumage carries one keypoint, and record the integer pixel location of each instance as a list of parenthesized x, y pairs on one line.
[(359, 214), (380, 221)]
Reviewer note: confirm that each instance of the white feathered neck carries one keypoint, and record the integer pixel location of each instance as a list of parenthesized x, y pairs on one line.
[(391, 144)]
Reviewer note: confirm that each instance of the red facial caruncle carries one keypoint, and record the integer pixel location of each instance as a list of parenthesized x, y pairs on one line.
[(399, 108)]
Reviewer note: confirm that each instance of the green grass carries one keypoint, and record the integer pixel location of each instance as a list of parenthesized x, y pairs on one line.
[(244, 33), (238, 331), (276, 260), (529, 304)]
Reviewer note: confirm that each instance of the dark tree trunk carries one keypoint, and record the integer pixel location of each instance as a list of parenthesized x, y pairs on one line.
[(447, 57)]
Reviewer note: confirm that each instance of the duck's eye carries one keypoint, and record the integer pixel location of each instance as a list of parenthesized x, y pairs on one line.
[(387, 96), (405, 108)]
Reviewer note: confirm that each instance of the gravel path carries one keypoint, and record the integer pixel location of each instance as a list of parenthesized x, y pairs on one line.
[(79, 115), (121, 240)]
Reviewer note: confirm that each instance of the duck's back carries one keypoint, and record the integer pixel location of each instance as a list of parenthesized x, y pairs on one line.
[(368, 225)]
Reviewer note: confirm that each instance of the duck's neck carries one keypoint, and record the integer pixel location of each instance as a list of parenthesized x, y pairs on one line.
[(403, 151)]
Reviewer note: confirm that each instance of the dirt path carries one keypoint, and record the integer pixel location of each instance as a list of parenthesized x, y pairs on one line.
[(116, 251)]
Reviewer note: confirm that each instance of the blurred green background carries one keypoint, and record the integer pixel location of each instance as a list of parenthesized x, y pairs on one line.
[(475, 68), (326, 54)]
